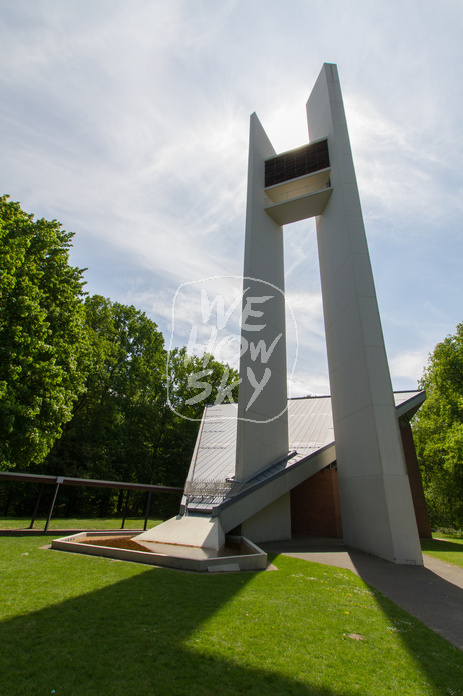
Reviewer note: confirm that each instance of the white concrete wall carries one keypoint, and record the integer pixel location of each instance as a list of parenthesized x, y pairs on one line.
[(244, 507), (273, 523), (376, 503), (261, 442)]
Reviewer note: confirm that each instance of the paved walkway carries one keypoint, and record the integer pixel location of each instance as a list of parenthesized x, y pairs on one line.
[(433, 593)]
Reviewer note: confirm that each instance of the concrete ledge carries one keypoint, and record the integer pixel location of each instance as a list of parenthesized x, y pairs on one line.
[(250, 558)]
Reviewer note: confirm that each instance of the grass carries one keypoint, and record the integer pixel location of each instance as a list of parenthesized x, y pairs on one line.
[(449, 533), (447, 547), (78, 625), (76, 523)]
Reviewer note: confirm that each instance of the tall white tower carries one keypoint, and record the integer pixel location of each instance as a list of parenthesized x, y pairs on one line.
[(315, 180), (319, 180)]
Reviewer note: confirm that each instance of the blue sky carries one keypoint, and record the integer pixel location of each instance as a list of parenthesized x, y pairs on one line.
[(128, 122)]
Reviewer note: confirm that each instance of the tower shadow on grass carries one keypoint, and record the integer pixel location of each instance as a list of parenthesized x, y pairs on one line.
[(426, 595), (129, 639), (148, 634), (429, 598), (448, 546)]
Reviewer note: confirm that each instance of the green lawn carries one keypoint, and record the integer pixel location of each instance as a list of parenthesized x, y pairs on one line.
[(77, 625), (447, 547), (66, 523)]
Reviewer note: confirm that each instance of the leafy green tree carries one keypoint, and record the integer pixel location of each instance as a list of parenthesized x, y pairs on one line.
[(127, 425), (438, 432), (43, 361), (196, 382), (115, 421)]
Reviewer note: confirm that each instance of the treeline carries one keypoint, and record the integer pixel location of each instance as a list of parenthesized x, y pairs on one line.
[(84, 389), (438, 433)]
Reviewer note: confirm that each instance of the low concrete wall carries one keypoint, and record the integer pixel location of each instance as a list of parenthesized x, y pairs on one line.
[(255, 560)]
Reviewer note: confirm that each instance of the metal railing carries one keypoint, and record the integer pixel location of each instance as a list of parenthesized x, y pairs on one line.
[(58, 481)]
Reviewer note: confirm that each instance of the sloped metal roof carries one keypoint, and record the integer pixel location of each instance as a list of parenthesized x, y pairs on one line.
[(310, 430)]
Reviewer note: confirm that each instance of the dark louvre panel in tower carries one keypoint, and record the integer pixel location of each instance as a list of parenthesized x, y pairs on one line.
[(304, 160)]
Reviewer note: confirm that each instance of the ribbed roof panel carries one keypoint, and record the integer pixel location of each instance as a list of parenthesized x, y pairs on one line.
[(310, 429)]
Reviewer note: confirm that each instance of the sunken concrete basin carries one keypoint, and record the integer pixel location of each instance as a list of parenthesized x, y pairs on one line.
[(238, 553)]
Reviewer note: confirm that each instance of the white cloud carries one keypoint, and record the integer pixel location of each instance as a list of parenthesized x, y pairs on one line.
[(407, 368), (129, 122), (401, 170), (307, 383)]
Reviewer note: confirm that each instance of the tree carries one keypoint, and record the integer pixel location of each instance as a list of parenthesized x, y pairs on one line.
[(43, 362), (116, 418), (199, 381), (438, 432), (124, 427)]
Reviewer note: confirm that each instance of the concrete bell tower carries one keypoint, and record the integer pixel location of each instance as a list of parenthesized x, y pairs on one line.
[(318, 180)]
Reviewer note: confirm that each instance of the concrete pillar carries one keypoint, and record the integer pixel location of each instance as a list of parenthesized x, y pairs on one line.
[(376, 504), (262, 435)]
